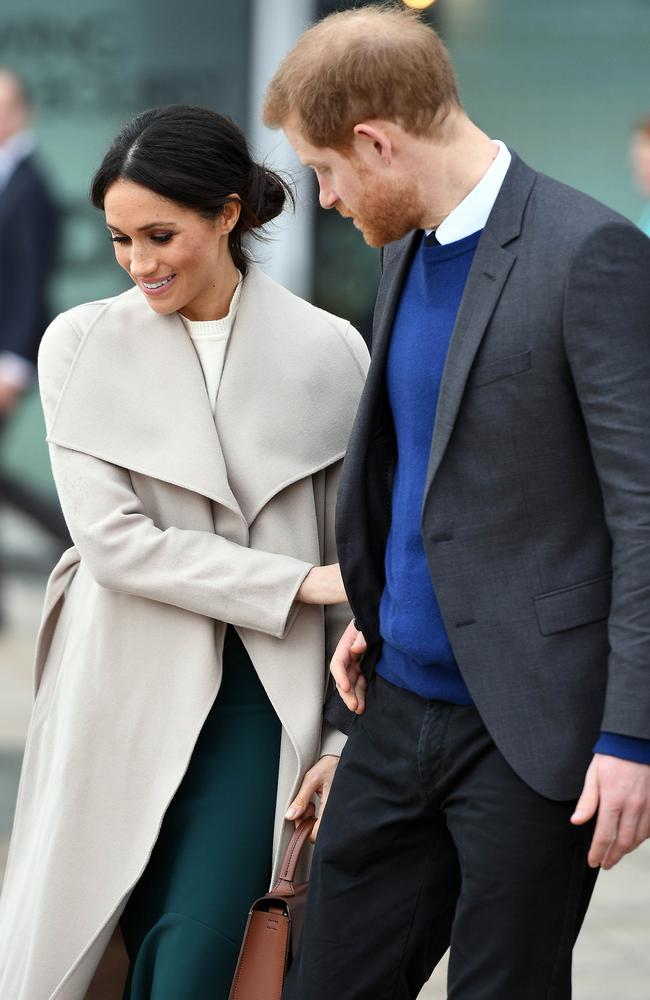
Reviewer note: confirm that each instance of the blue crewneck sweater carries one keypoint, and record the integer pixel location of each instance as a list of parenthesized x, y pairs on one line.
[(416, 652)]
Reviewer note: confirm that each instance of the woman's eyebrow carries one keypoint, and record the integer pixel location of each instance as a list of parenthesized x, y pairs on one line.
[(155, 225), (143, 229)]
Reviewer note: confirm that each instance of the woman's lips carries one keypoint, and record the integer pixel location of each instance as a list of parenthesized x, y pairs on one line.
[(154, 287)]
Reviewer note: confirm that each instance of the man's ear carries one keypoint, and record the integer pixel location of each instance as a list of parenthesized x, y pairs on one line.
[(377, 138)]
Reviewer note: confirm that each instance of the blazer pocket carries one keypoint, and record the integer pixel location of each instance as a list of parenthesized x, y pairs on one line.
[(514, 364), (569, 607)]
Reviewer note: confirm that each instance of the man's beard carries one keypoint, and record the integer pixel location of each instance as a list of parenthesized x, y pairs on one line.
[(385, 212)]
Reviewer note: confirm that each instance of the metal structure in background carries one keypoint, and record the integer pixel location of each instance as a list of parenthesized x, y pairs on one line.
[(274, 29)]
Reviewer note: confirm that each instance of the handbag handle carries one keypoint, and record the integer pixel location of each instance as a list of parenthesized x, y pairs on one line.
[(284, 886)]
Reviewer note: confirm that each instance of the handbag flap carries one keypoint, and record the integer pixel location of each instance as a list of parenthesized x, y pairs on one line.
[(263, 959)]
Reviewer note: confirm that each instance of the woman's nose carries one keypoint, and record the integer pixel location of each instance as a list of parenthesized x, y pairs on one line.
[(142, 264)]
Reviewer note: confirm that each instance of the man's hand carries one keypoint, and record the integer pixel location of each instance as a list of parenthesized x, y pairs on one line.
[(620, 791), (346, 669), (10, 393), (317, 781)]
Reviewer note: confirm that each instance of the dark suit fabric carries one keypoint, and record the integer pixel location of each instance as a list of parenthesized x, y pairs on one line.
[(29, 228), (28, 243), (450, 824), (430, 838), (535, 519)]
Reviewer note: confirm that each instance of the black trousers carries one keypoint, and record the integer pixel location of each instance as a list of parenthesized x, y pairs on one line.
[(430, 839)]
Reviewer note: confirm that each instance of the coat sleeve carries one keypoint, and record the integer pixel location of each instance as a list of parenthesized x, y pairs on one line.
[(125, 551), (607, 343)]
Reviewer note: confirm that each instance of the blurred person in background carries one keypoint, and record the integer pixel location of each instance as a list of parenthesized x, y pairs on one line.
[(196, 426), (493, 534), (640, 159), (28, 245)]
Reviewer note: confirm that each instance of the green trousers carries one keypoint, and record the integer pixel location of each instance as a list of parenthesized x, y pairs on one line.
[(185, 919)]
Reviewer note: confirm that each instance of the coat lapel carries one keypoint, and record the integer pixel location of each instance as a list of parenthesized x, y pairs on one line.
[(288, 395), (135, 396), (488, 274)]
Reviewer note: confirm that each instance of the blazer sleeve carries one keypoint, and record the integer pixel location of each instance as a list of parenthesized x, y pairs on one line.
[(338, 616), (607, 343), (125, 551)]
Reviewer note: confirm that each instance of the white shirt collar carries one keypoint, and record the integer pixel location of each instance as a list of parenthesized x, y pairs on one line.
[(473, 211), (12, 152)]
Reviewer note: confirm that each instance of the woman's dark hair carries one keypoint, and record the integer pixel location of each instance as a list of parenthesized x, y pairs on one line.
[(198, 158)]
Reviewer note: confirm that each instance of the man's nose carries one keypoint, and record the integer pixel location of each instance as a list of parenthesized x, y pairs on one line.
[(327, 197)]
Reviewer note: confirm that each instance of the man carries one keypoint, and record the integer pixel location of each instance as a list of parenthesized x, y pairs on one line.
[(494, 538), (28, 229), (28, 240), (640, 158)]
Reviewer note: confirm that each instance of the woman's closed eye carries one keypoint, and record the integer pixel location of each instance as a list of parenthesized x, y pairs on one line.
[(156, 238)]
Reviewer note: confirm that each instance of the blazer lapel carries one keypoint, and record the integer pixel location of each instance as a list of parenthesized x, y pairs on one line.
[(397, 260), (135, 396), (488, 274)]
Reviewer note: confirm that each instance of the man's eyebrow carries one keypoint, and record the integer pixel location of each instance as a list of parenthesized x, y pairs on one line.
[(143, 229)]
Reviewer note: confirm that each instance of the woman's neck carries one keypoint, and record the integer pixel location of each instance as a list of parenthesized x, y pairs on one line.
[(215, 302)]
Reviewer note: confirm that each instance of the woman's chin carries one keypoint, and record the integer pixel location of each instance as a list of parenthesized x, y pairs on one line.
[(160, 307)]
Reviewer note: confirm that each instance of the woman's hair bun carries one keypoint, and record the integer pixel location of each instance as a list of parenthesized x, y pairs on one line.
[(267, 196)]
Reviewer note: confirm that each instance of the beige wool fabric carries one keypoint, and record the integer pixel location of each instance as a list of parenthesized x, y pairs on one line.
[(181, 522)]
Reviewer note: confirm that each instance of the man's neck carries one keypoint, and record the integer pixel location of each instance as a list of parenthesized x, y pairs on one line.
[(449, 170)]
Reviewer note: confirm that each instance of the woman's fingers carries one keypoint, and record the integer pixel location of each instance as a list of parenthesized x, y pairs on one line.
[(317, 781), (298, 808)]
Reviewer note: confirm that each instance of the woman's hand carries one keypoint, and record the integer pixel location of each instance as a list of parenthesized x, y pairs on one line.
[(323, 585), (317, 781)]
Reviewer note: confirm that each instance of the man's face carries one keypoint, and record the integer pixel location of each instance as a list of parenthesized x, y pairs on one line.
[(382, 206), (640, 156), (13, 114)]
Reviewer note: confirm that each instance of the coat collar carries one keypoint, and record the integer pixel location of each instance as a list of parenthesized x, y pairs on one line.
[(135, 396)]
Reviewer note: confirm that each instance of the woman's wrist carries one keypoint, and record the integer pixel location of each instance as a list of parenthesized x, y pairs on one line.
[(322, 585)]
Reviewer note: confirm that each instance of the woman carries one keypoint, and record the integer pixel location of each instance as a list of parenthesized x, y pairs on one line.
[(182, 660)]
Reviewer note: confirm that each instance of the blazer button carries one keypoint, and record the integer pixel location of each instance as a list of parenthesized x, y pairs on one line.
[(443, 536)]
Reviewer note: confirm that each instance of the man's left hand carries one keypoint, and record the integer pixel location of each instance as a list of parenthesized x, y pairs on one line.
[(10, 394), (317, 781), (620, 791)]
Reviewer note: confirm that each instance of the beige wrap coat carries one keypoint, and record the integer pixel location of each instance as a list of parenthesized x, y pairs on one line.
[(181, 521)]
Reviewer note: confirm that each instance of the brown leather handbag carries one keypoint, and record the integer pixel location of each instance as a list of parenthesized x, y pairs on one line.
[(274, 922)]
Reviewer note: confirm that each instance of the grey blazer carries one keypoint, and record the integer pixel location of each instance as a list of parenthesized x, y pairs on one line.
[(536, 513)]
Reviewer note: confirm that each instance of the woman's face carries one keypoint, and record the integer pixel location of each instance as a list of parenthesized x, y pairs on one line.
[(178, 259)]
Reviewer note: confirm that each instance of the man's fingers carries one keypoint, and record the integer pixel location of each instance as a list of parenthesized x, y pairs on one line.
[(346, 671), (360, 692), (604, 835), (588, 801), (625, 841), (359, 646), (631, 831), (339, 671)]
